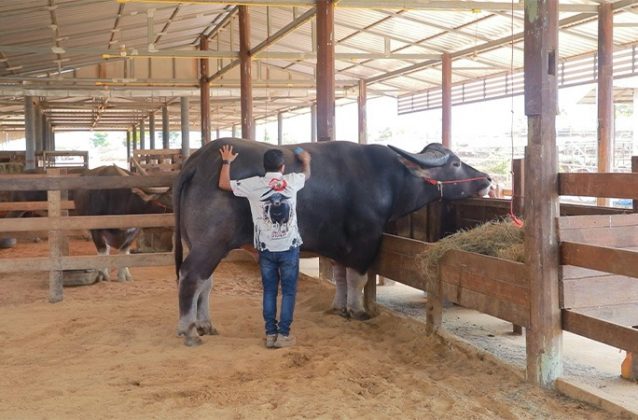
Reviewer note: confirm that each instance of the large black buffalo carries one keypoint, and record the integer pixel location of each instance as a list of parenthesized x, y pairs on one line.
[(115, 202), (354, 191)]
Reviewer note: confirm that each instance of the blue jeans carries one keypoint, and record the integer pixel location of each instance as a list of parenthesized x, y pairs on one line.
[(276, 266)]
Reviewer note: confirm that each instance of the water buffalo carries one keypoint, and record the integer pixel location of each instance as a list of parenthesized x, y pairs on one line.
[(114, 202), (354, 191)]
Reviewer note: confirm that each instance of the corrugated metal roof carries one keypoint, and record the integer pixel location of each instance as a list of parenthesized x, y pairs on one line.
[(84, 29)]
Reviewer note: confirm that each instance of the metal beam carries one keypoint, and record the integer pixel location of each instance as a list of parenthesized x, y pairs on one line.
[(184, 126), (325, 70), (446, 108), (151, 130), (204, 94), (469, 6), (165, 127), (247, 122), (297, 22), (362, 101), (494, 44)]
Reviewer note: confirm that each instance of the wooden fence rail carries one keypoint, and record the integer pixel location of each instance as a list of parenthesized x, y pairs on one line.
[(58, 221)]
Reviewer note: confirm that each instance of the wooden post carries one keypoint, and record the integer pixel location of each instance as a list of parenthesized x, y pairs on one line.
[(325, 71), (362, 100), (58, 245), (518, 205), (313, 123), (446, 108), (185, 128), (142, 134), (280, 128), (165, 127), (128, 145), (29, 133), (518, 186), (544, 336), (629, 366), (605, 91), (151, 130), (247, 127), (204, 92)]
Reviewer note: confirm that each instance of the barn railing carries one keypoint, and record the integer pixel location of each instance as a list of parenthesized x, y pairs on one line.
[(58, 221), (598, 276)]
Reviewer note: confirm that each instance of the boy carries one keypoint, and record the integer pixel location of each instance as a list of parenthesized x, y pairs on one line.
[(273, 200)]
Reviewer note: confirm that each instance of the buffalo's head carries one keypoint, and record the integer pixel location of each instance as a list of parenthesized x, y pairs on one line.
[(439, 166)]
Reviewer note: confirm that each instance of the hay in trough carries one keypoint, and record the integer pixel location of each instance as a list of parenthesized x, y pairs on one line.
[(11, 168), (500, 239)]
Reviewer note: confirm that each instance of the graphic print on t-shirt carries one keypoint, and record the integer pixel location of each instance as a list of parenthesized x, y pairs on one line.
[(277, 209)]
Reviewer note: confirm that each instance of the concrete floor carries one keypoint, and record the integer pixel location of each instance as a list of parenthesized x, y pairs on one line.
[(588, 364)]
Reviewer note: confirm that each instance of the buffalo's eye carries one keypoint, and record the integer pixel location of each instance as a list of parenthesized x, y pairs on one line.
[(456, 164)]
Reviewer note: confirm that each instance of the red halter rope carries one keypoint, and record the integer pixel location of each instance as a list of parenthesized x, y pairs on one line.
[(439, 184)]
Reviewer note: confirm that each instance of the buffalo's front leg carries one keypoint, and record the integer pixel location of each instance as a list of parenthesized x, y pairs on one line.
[(356, 283), (102, 249), (339, 303)]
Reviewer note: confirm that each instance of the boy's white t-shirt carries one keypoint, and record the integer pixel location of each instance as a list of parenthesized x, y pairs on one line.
[(273, 204)]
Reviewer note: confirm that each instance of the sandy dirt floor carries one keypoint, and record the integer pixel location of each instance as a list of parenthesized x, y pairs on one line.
[(110, 351)]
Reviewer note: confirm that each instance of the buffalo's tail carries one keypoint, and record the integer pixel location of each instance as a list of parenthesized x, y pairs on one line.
[(184, 177)]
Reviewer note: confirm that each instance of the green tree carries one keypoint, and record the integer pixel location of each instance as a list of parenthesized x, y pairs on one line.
[(99, 139)]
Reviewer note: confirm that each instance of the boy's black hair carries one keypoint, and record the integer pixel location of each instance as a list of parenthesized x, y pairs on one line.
[(273, 160)]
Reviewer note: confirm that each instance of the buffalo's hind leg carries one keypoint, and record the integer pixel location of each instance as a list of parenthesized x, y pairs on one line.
[(203, 323), (195, 283)]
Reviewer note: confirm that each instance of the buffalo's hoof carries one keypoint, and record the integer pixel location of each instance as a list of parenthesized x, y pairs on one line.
[(103, 276), (342, 312), (190, 341), (359, 315), (124, 276), (206, 328)]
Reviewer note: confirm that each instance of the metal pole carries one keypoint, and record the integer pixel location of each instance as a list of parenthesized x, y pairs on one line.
[(45, 133), (134, 139), (325, 71), (280, 128), (313, 123), (165, 127), (51, 137), (363, 116), (235, 130), (151, 130), (29, 133), (446, 108), (142, 134), (204, 92), (185, 128), (247, 127), (39, 143), (128, 145), (605, 91)]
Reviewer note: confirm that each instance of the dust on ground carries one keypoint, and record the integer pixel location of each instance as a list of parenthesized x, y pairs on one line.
[(109, 350)]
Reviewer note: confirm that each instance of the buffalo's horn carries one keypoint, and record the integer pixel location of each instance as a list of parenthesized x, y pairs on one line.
[(139, 168), (155, 190), (423, 159)]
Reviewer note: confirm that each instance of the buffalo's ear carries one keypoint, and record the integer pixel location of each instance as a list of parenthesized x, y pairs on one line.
[(415, 169)]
